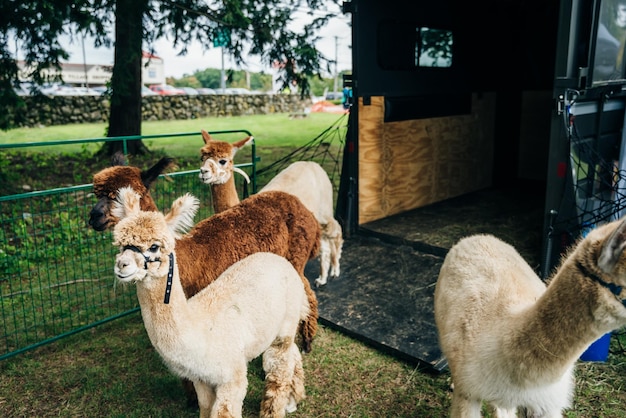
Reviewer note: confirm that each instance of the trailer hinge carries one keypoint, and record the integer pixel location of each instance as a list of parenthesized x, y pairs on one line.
[(560, 104)]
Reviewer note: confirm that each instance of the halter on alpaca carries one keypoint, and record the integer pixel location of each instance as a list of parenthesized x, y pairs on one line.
[(170, 271)]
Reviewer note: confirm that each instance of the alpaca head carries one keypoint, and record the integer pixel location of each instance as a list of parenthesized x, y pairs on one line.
[(146, 239), (217, 159), (107, 182), (606, 244)]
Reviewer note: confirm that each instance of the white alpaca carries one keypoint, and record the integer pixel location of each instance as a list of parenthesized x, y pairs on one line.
[(251, 309), (306, 180), (510, 340)]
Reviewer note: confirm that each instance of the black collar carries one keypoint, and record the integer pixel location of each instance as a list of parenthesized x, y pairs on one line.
[(170, 271), (615, 289), (168, 285)]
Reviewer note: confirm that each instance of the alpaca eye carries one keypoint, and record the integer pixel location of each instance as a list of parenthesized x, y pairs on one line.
[(154, 248), (223, 162)]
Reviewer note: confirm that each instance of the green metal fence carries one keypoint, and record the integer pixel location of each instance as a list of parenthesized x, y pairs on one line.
[(56, 273)]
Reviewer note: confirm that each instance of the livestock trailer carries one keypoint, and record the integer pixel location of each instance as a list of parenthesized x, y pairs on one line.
[(454, 97), (481, 117)]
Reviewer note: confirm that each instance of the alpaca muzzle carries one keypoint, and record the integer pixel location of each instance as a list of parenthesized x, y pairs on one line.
[(212, 173), (99, 219), (125, 269)]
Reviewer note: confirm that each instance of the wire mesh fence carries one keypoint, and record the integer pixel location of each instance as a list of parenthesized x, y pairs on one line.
[(56, 272), (596, 171)]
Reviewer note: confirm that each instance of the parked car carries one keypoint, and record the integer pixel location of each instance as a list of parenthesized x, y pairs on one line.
[(236, 90), (86, 91), (56, 89), (166, 90), (145, 91), (100, 89), (204, 90), (190, 91), (22, 90)]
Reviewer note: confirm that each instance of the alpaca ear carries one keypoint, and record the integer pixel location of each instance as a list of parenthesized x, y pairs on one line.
[(118, 159), (126, 203), (180, 217), (206, 137), (612, 248), (240, 144), (151, 174)]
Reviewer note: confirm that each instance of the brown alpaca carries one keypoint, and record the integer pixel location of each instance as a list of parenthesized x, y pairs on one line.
[(217, 168), (107, 182)]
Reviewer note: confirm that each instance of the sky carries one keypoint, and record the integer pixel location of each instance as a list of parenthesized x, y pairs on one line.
[(198, 59)]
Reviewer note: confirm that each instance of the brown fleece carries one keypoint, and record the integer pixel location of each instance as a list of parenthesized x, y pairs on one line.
[(275, 222), (107, 182)]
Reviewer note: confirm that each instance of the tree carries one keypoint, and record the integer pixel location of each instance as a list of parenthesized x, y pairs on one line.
[(258, 28), (125, 113)]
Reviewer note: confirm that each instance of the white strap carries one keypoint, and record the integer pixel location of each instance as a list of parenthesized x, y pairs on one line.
[(243, 173)]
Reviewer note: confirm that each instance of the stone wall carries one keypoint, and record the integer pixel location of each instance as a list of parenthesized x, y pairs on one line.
[(62, 110)]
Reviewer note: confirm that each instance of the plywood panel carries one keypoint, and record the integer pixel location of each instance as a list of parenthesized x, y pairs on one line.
[(408, 164), (371, 168), (411, 168)]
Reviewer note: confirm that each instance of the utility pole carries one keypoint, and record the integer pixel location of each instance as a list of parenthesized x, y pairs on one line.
[(84, 61), (223, 74), (336, 71)]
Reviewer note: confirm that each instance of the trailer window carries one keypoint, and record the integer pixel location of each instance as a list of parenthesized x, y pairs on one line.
[(433, 48), (407, 46)]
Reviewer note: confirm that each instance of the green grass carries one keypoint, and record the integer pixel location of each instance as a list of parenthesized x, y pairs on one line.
[(268, 130), (113, 371)]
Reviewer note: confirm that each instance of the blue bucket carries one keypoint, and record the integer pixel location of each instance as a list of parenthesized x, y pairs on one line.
[(599, 350)]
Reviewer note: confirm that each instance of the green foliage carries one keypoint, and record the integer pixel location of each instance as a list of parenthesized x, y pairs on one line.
[(210, 78), (186, 81)]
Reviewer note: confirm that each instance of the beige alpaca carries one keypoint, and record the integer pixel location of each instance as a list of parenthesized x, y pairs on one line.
[(510, 340), (251, 309), (306, 180)]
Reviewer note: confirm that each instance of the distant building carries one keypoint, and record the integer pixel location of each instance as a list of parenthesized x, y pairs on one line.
[(152, 69), (152, 72)]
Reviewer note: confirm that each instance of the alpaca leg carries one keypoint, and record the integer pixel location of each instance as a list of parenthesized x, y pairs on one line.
[(335, 254), (529, 413), (308, 328), (279, 364), (336, 242), (230, 395), (206, 398), (297, 382), (324, 262), (464, 407), (498, 412)]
